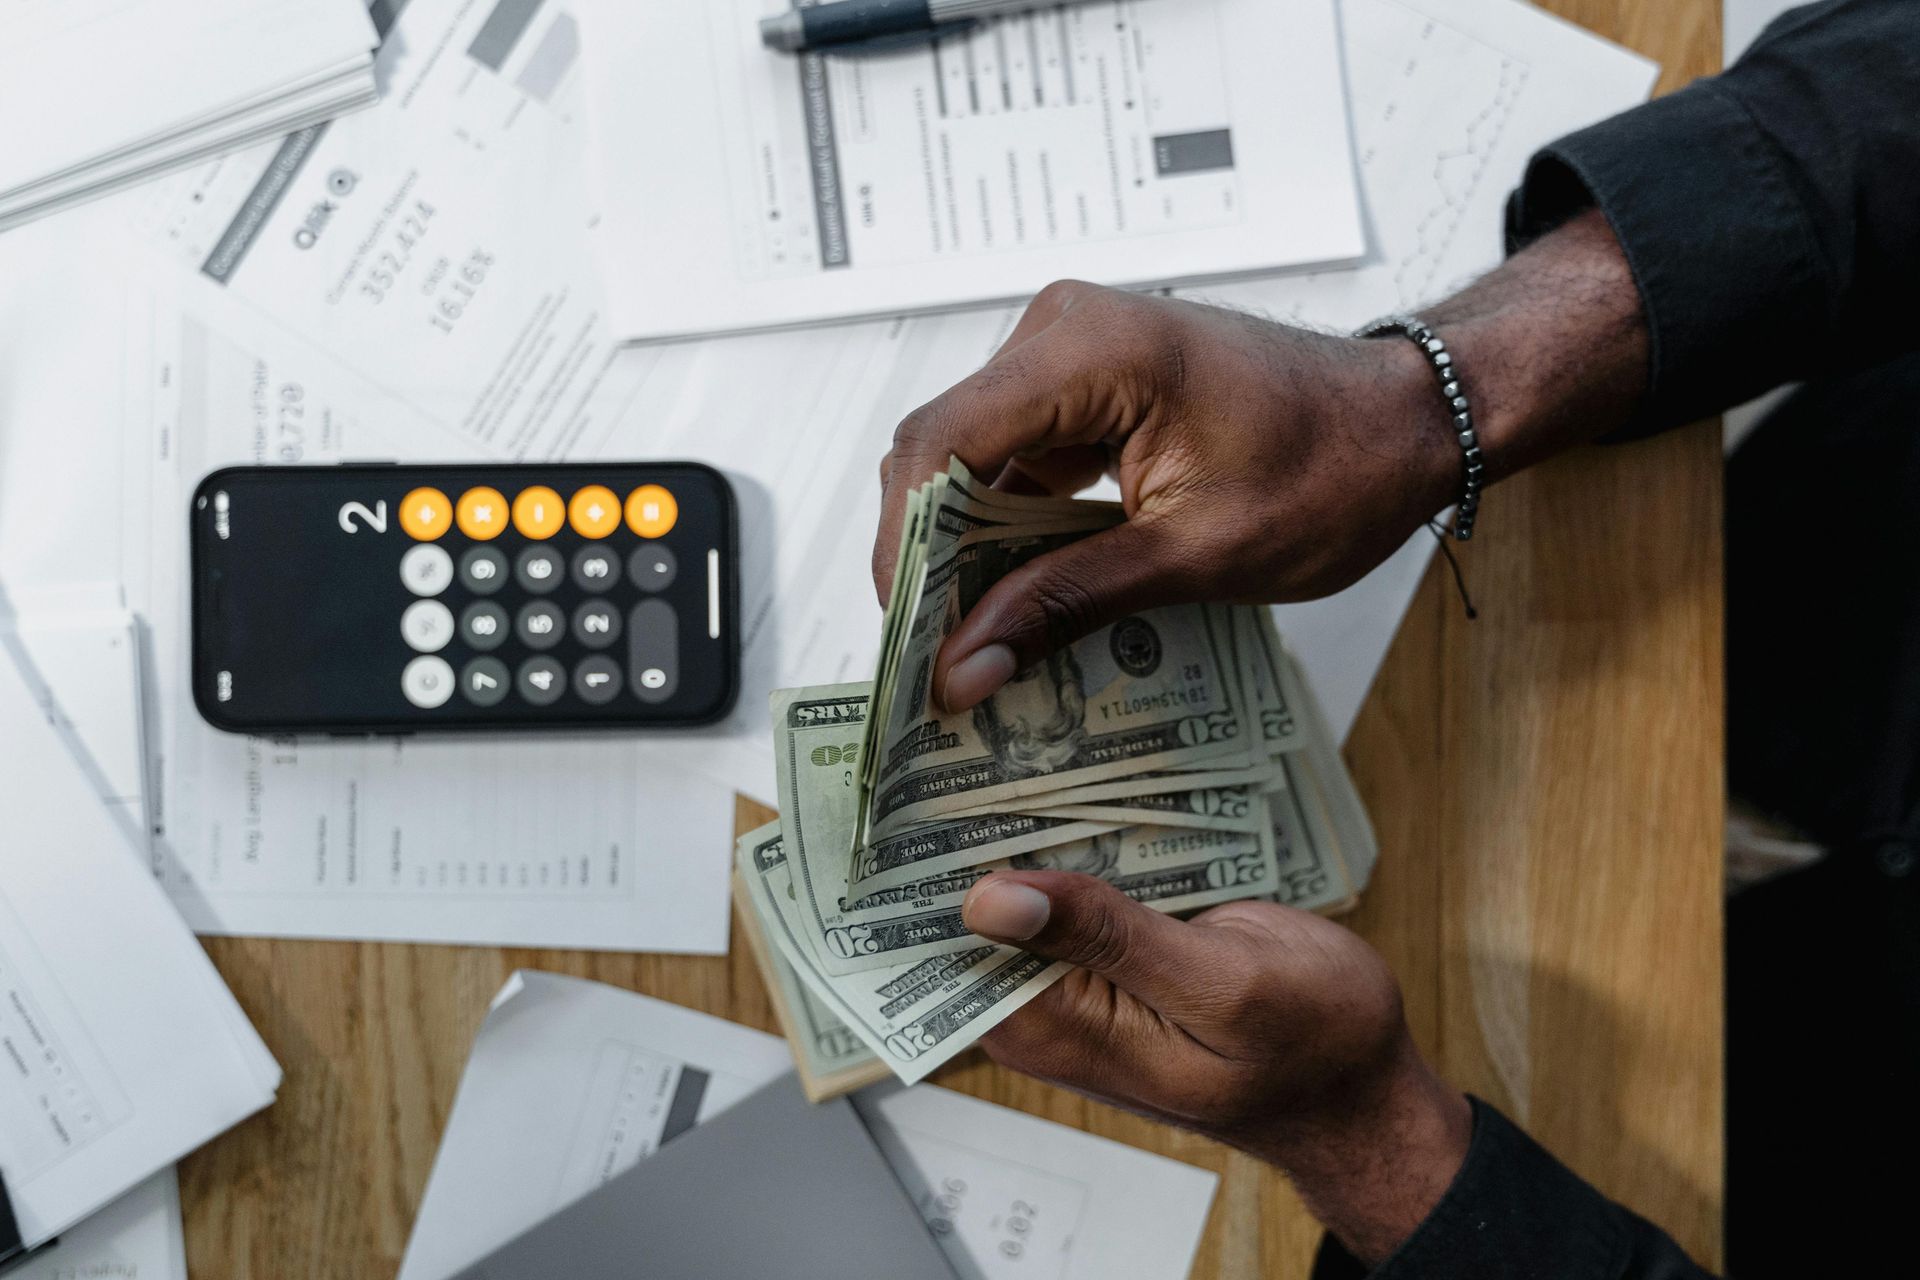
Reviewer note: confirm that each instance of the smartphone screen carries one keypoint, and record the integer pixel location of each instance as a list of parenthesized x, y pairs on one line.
[(392, 599)]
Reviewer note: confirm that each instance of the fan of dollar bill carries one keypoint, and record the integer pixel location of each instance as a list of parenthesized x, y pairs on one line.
[(1177, 754)]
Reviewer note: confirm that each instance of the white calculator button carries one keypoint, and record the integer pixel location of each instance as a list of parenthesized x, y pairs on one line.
[(427, 625), (427, 682), (427, 570)]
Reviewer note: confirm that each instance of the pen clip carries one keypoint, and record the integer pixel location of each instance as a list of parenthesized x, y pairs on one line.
[(900, 42)]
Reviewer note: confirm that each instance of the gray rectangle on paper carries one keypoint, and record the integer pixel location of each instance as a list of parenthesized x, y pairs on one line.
[(494, 42), (773, 1186), (260, 203), (684, 1111), (1200, 152), (823, 162), (550, 58)]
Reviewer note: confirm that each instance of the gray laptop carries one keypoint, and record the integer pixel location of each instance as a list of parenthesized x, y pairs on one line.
[(774, 1187)]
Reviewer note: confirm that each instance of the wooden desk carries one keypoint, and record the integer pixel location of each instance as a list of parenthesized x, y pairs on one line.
[(1547, 784)]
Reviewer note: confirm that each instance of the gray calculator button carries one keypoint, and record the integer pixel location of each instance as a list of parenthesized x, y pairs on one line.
[(485, 681), (427, 625), (597, 679), (483, 570), (484, 625), (541, 681), (427, 681), (596, 624), (538, 569), (653, 650), (652, 567), (541, 625), (595, 568), (427, 570)]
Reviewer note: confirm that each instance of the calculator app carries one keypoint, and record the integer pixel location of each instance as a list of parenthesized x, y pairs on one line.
[(403, 598)]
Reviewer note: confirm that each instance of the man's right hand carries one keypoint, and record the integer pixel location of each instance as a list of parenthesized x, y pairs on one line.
[(1257, 463), (1267, 1028)]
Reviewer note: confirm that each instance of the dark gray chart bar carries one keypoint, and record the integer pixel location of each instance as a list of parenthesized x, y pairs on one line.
[(823, 162), (939, 78), (1066, 54), (1032, 22), (501, 31), (1201, 152), (260, 203), (684, 1110)]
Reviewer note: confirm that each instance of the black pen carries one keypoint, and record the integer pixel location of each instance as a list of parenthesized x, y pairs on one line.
[(866, 22)]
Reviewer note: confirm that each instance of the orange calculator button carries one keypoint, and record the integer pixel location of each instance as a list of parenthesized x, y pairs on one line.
[(538, 512), (594, 512), (481, 513), (651, 511), (425, 514)]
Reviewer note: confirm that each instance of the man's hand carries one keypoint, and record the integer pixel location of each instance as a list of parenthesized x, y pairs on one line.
[(1267, 1028), (1257, 463)]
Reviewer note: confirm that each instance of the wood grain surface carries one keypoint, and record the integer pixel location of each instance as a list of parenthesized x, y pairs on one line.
[(1547, 784)]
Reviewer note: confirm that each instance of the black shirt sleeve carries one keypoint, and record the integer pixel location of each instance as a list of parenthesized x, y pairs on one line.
[(1771, 215), (1515, 1213)]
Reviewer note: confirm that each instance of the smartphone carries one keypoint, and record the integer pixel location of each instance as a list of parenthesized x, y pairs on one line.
[(388, 599)]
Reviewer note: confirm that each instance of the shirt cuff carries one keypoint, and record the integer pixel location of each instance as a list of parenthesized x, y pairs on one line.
[(1511, 1209), (1728, 284)]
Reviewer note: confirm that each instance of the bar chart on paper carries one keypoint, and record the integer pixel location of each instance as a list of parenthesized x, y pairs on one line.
[(539, 61)]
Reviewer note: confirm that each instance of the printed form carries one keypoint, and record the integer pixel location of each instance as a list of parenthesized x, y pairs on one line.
[(572, 1082), (120, 1048), (137, 1237), (1133, 142), (593, 841)]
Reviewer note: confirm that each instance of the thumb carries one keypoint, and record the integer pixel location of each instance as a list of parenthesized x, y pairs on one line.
[(1055, 599), (1063, 915)]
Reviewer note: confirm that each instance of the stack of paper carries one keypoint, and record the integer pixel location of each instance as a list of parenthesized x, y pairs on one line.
[(1154, 142), (119, 90), (120, 1048), (572, 1083), (137, 1237)]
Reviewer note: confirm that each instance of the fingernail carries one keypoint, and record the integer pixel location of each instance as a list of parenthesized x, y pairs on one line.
[(977, 677), (1006, 909)]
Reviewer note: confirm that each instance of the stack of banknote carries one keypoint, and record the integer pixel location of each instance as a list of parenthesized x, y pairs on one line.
[(1177, 754)]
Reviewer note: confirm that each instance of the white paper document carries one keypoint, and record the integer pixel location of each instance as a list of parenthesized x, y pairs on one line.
[(120, 90), (592, 841), (435, 245), (81, 654), (1134, 142), (1013, 1197), (128, 388), (120, 1047), (137, 1237), (572, 1082)]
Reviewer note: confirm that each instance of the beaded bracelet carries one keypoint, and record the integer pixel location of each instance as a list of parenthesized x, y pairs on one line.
[(1435, 349)]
